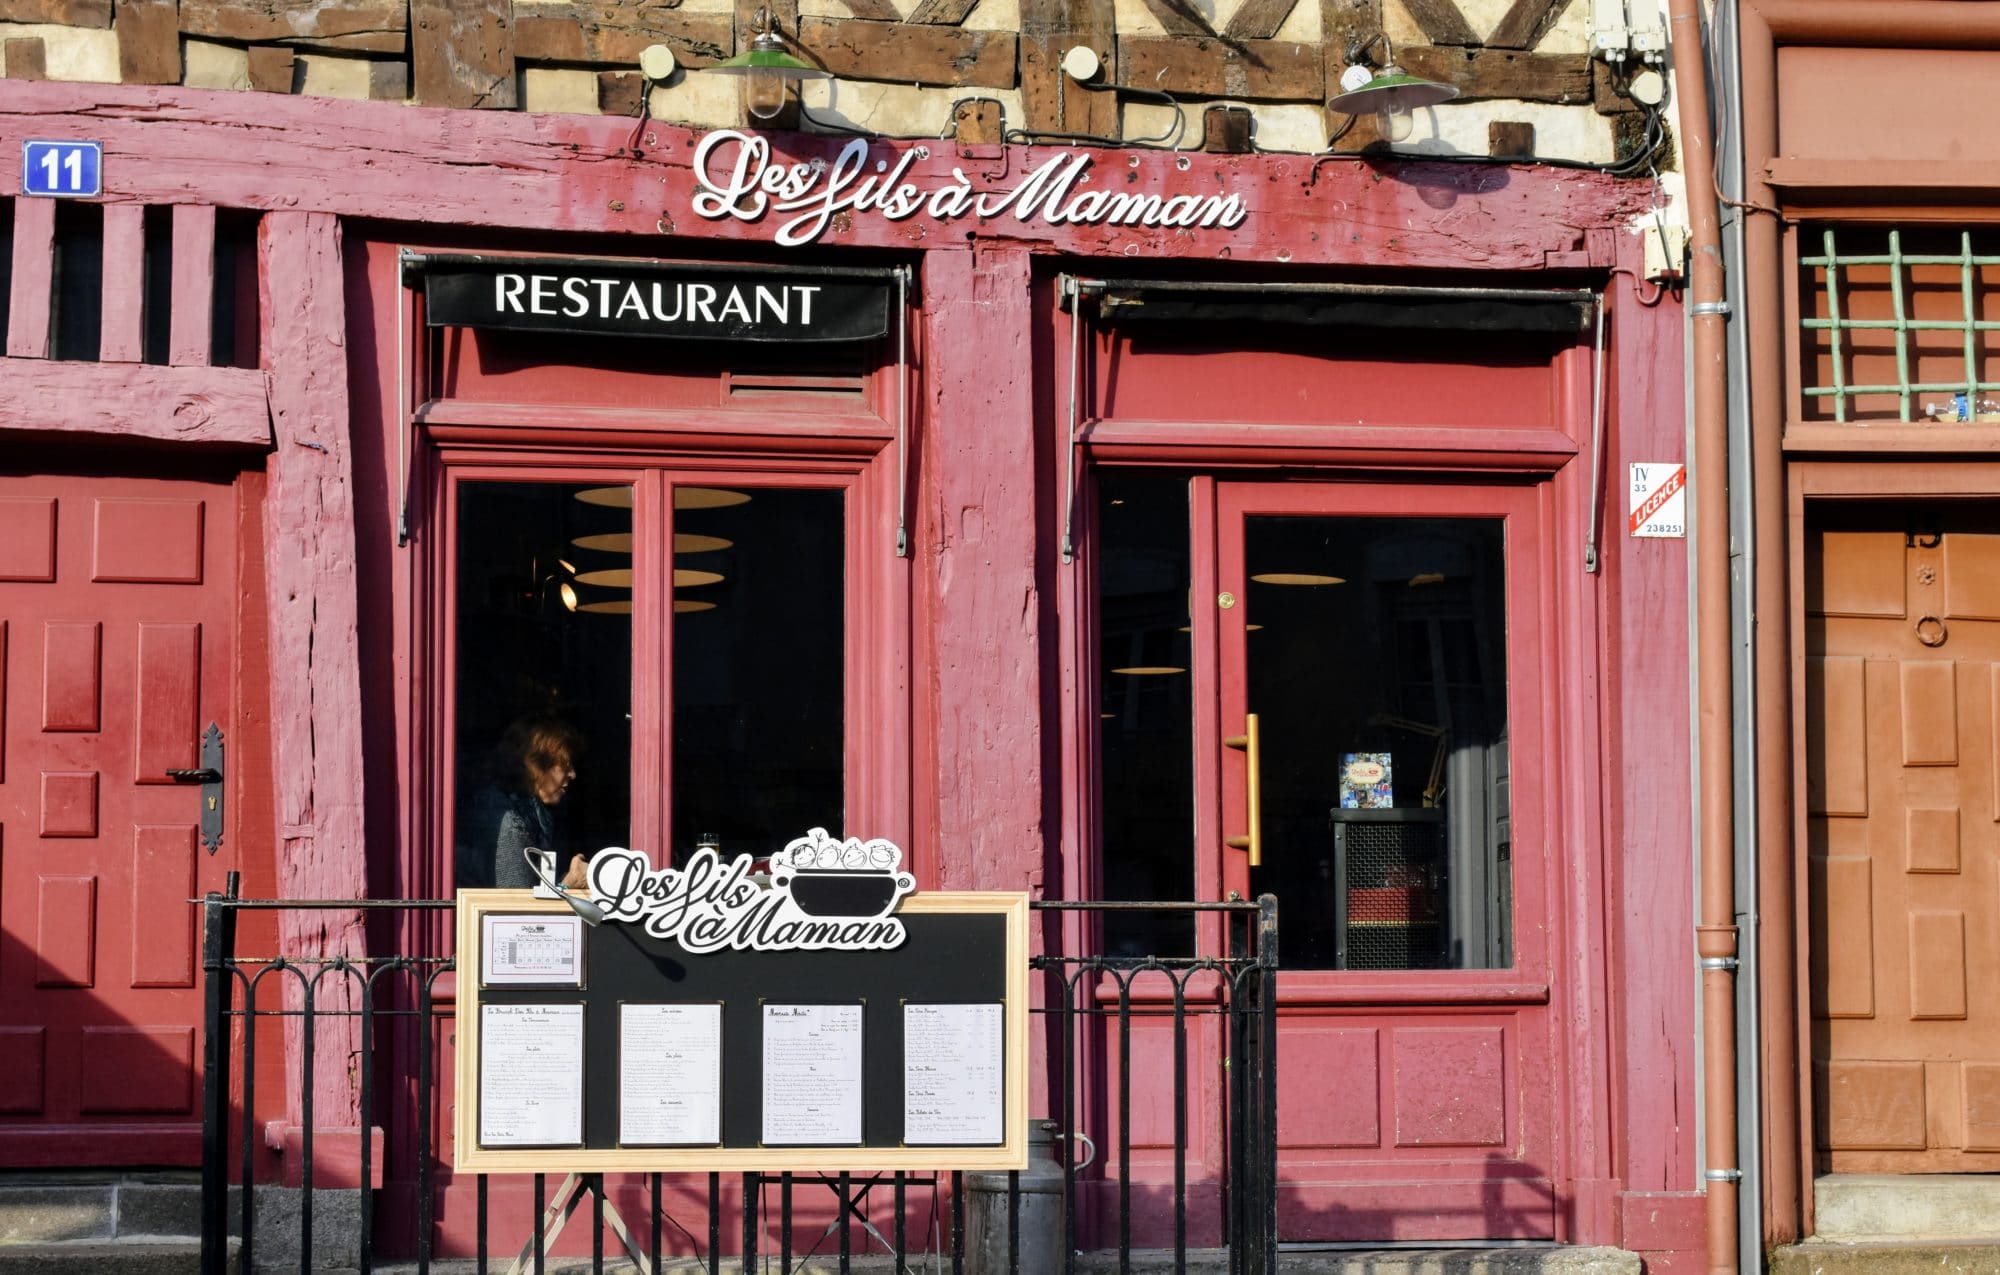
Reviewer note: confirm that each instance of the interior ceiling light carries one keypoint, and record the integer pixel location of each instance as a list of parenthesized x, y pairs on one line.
[(1389, 94), (609, 578), (688, 542), (609, 497), (1148, 670), (684, 605), (612, 606), (685, 578), (708, 498), (1426, 577), (1296, 577), (766, 70), (568, 595), (609, 542)]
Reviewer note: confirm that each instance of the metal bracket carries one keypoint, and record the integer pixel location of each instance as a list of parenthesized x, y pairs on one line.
[(1723, 1175), (209, 776), (1729, 963)]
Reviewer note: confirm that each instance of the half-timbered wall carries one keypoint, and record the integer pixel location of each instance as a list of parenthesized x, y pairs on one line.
[(920, 68)]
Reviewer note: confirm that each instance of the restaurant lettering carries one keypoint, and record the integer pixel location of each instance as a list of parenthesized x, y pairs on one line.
[(737, 178), (656, 299)]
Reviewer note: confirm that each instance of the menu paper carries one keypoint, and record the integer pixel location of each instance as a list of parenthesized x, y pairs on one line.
[(669, 1075), (954, 1073), (518, 950), (531, 1075), (812, 1075)]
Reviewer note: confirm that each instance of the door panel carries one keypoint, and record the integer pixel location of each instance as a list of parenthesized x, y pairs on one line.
[(117, 598), (1384, 637), (1902, 829)]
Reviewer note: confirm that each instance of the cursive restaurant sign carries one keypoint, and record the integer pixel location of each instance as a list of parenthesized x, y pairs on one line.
[(736, 177)]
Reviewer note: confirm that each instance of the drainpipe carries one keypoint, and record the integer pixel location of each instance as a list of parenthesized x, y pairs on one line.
[(1715, 930)]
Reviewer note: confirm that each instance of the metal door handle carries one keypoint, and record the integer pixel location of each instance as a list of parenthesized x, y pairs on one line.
[(1254, 786), (205, 775)]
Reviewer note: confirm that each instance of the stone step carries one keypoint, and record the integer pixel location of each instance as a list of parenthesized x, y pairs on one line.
[(1820, 1258), (1511, 1260), (165, 1257), (80, 1208), (1936, 1208)]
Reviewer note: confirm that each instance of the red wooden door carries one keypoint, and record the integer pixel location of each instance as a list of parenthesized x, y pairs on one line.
[(116, 604), (1385, 638)]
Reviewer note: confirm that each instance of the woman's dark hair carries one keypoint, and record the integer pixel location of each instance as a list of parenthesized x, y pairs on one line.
[(534, 745)]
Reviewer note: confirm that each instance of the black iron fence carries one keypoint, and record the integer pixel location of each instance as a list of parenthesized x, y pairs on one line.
[(1114, 1173)]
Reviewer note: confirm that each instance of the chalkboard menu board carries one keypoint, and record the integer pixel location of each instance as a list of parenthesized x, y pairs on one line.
[(605, 1049)]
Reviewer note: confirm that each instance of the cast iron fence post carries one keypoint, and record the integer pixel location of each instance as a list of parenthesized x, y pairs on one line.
[(218, 944)]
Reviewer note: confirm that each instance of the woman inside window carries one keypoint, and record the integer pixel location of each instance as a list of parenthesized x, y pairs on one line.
[(531, 771)]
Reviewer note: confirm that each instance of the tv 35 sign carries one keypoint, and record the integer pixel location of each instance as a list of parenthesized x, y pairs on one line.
[(64, 170)]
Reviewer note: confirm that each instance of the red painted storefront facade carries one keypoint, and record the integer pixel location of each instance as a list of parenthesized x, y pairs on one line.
[(1541, 1087)]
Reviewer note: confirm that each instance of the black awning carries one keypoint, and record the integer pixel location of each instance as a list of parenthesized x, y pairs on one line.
[(1346, 305), (671, 300)]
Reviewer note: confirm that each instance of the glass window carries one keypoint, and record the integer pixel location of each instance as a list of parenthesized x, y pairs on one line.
[(1147, 713), (1378, 671), (758, 694), (542, 737)]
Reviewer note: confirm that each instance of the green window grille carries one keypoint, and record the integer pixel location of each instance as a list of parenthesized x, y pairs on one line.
[(1901, 314)]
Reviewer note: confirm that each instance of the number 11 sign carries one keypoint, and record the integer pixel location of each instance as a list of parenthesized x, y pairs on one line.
[(66, 170)]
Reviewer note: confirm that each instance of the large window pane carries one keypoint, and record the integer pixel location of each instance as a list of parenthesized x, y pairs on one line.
[(758, 656), (1379, 675), (1147, 714), (542, 740)]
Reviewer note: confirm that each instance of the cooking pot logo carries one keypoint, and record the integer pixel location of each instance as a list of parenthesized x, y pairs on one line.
[(853, 879)]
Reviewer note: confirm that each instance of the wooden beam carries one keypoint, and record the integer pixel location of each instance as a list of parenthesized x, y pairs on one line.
[(1225, 130), (1486, 74), (62, 13), (122, 317), (191, 324), (1178, 17), (388, 80), (510, 170), (198, 406), (313, 617), (1510, 138), (375, 26), (462, 53), (27, 58), (149, 41), (873, 10), (619, 92), (609, 35), (948, 56), (1259, 19), (33, 276), (1525, 23), (1347, 29), (1440, 21), (271, 67), (1268, 69), (1052, 104), (977, 123), (942, 13)]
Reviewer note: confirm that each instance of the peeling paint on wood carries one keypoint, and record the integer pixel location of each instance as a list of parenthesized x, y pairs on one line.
[(462, 53), (1267, 69), (949, 56), (986, 690), (191, 323), (977, 123), (34, 261), (309, 558), (149, 41), (379, 26), (214, 406)]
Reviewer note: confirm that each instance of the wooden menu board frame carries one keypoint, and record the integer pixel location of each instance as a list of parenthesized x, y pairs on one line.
[(961, 946)]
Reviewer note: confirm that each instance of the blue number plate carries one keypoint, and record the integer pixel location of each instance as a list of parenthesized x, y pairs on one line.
[(66, 170)]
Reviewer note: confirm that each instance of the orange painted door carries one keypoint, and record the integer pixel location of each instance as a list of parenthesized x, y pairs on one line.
[(1902, 697), (1388, 641), (117, 596)]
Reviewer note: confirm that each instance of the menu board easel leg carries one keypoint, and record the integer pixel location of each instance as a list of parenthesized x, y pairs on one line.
[(575, 1187)]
